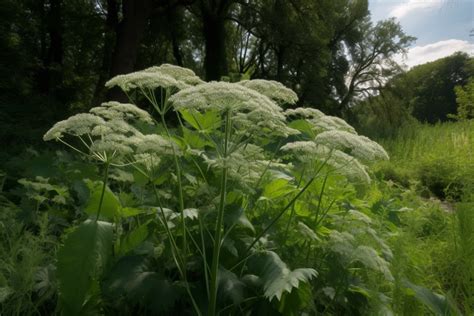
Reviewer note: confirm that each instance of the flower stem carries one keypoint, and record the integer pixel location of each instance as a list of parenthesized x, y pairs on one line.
[(104, 185), (218, 228)]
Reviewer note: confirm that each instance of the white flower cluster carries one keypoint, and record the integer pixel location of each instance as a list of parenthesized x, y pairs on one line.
[(272, 89), (340, 162), (76, 125), (121, 111), (165, 76), (178, 73), (107, 134), (320, 121), (157, 144), (249, 110), (358, 146), (144, 81)]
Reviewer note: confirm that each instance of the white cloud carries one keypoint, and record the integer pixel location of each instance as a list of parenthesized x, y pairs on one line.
[(412, 6), (423, 54)]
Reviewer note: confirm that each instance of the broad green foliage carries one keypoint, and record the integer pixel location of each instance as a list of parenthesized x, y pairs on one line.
[(81, 260), (218, 201), (275, 275), (225, 155)]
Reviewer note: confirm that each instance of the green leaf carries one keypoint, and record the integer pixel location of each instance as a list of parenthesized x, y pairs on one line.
[(230, 287), (134, 238), (110, 204), (202, 121), (131, 278), (277, 278), (126, 212), (437, 303), (84, 253), (371, 259), (5, 292), (194, 139), (303, 126), (277, 188)]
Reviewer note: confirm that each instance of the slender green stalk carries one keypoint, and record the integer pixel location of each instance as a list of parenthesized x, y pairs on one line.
[(204, 255), (104, 185), (218, 228), (263, 232)]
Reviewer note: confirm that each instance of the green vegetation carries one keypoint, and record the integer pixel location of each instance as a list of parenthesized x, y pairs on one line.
[(438, 157), (238, 207), (224, 157)]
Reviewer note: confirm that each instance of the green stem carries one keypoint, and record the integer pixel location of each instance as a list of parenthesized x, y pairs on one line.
[(104, 185), (278, 216), (218, 228)]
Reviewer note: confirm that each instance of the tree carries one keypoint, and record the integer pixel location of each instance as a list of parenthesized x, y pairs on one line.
[(465, 101), (432, 96), (213, 15), (372, 60)]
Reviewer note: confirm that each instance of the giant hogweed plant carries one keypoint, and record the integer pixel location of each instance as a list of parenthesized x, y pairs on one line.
[(209, 195)]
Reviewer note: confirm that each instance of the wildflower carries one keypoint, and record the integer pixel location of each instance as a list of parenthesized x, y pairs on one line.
[(340, 162), (125, 111), (272, 89), (157, 144), (356, 145), (144, 80), (248, 109), (178, 73), (76, 125)]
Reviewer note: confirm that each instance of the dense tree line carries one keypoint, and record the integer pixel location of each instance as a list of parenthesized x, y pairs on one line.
[(433, 92), (59, 53)]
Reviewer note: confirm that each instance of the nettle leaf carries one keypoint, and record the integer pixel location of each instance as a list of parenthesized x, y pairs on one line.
[(85, 252), (209, 120), (132, 279), (277, 278), (110, 204)]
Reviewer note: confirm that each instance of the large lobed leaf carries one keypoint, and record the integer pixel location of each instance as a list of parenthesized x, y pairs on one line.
[(133, 280), (276, 277), (85, 251)]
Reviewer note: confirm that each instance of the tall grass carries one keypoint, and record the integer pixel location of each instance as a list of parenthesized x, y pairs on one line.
[(417, 141), (440, 157)]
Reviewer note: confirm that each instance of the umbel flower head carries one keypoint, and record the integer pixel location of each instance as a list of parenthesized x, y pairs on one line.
[(272, 89), (340, 162), (144, 81), (178, 73), (76, 125), (319, 121), (165, 76), (248, 109), (121, 111), (356, 145)]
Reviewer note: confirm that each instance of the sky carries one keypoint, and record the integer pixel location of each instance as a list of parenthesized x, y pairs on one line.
[(441, 27)]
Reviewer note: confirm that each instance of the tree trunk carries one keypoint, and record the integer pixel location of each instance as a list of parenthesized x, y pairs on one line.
[(110, 27), (129, 33), (215, 60), (50, 75)]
